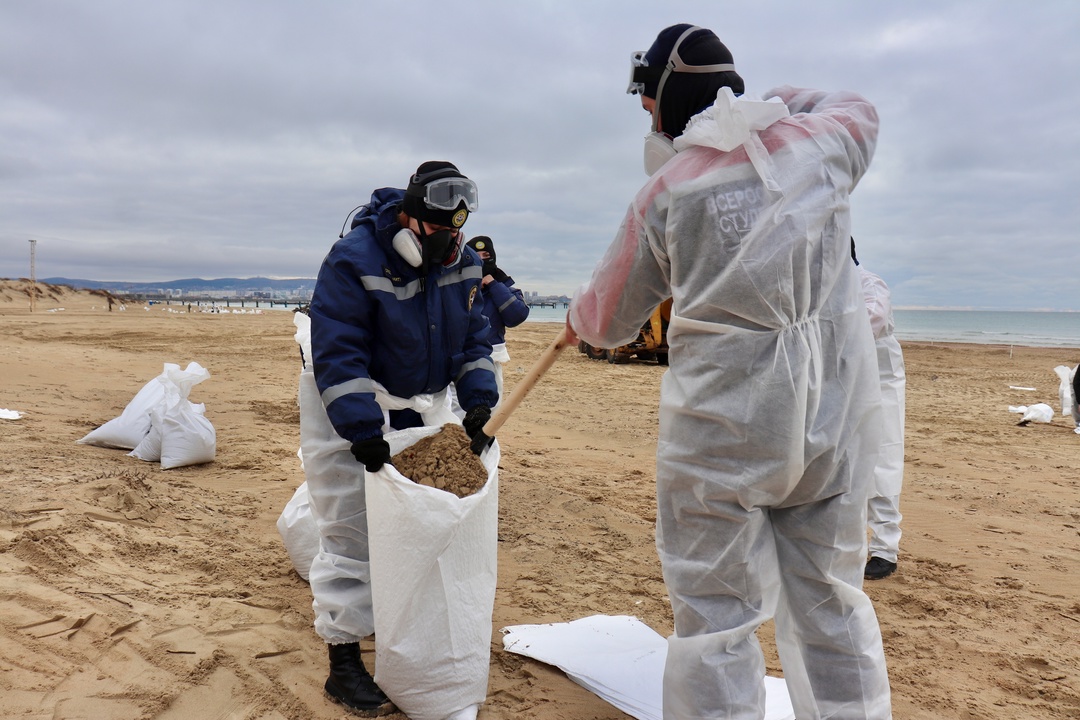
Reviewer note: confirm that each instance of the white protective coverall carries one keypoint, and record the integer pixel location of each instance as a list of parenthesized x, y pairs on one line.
[(883, 509), (340, 573), (769, 411)]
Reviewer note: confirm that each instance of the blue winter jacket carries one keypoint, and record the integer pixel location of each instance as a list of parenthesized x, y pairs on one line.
[(374, 317), (504, 306)]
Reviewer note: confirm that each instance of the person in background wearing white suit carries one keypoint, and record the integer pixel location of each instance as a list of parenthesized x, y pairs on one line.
[(883, 508)]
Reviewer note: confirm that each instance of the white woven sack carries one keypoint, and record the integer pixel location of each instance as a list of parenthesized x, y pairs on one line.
[(187, 437), (179, 433), (299, 532), (433, 575), (128, 429)]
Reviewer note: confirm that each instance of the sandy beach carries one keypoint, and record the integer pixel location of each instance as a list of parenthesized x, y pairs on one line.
[(128, 591)]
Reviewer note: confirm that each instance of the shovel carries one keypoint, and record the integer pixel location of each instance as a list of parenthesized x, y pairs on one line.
[(483, 438)]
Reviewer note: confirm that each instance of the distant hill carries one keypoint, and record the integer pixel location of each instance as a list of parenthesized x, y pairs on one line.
[(239, 285)]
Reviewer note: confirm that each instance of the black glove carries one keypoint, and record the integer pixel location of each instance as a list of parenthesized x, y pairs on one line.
[(496, 273), (372, 452), (475, 419)]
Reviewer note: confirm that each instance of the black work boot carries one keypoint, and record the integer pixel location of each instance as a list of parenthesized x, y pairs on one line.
[(352, 685), (878, 568)]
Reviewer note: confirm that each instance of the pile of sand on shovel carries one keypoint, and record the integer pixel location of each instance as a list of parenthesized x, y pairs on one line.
[(444, 461)]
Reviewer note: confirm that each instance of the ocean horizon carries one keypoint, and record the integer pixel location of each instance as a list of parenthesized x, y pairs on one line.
[(1025, 328)]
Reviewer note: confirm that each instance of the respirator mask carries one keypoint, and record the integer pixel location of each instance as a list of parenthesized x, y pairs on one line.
[(408, 247), (439, 247)]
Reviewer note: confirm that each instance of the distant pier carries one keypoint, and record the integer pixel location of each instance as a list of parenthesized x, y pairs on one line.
[(249, 302), (229, 302)]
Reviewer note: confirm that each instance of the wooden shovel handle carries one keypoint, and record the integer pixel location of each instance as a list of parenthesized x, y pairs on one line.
[(521, 389)]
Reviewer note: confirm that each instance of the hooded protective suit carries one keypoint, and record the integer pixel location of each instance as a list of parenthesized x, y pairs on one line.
[(884, 505), (769, 412)]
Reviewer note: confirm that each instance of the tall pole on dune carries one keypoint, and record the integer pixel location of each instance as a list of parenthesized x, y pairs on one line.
[(33, 275)]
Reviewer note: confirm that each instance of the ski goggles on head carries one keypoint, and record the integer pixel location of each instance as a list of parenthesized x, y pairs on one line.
[(449, 193)]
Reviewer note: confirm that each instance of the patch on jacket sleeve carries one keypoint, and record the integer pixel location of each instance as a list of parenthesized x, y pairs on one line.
[(472, 296)]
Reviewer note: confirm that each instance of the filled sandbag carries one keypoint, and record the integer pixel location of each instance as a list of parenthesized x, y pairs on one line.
[(179, 434), (433, 576), (128, 429)]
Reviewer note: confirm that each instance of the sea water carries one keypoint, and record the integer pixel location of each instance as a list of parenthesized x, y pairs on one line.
[(1029, 329), (1025, 328)]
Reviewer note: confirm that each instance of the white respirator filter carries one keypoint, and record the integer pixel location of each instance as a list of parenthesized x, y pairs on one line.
[(408, 247), (658, 150)]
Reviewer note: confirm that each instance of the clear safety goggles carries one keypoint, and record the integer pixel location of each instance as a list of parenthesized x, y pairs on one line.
[(639, 72), (449, 193)]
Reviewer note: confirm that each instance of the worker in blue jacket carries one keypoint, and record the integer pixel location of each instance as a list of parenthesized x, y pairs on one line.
[(397, 303), (504, 304)]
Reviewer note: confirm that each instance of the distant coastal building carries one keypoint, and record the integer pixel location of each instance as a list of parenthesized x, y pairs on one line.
[(534, 299)]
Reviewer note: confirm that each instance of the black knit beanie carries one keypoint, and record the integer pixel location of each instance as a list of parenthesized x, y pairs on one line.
[(686, 94), (483, 242), (414, 205)]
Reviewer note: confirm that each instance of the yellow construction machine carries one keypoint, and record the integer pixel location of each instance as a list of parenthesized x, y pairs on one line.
[(651, 343)]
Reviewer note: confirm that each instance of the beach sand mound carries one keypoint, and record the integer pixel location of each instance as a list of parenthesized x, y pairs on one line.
[(17, 293)]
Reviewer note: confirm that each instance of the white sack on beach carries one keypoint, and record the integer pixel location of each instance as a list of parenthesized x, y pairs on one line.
[(434, 567), (6, 414), (187, 437), (620, 659), (298, 531), (1039, 412), (179, 432), (128, 429)]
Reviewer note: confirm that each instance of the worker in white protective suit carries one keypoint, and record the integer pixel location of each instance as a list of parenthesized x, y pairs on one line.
[(770, 410), (883, 509)]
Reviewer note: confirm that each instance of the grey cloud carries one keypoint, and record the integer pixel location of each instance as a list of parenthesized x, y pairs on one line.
[(150, 141)]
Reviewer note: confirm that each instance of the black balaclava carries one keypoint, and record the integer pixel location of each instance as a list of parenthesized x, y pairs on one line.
[(686, 94), (483, 242)]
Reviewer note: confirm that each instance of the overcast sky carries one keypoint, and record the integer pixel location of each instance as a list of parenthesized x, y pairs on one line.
[(149, 141)]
